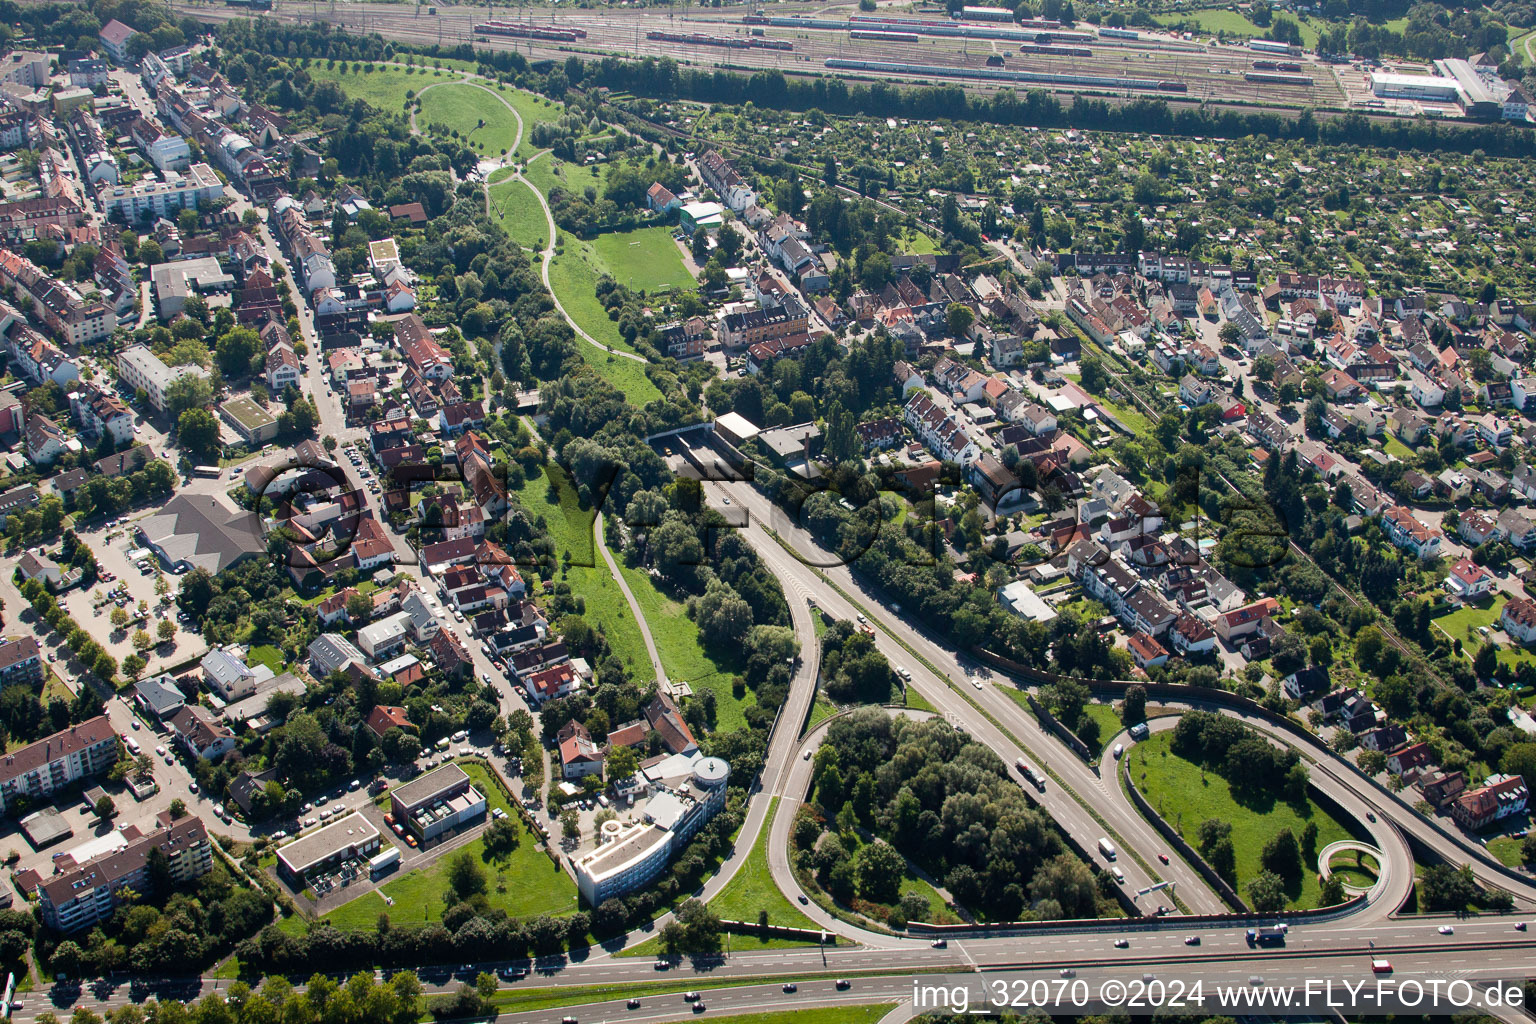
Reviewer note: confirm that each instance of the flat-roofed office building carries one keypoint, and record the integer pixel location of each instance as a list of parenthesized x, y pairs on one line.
[(438, 802)]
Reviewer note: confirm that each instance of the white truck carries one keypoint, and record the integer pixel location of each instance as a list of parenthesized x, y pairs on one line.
[(1107, 848)]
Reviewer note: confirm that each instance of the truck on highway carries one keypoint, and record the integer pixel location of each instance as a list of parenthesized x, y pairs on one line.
[(1267, 935), (1030, 775), (1107, 848)]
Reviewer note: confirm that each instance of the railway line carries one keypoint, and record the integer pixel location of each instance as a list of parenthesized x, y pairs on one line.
[(1209, 74)]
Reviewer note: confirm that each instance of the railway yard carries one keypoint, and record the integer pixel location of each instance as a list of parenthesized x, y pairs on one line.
[(799, 39)]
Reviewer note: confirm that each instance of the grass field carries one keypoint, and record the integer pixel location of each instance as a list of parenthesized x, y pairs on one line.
[(574, 275), (606, 609), (1517, 46), (526, 884), (384, 88), (917, 243), (1462, 624), (534, 110), (462, 107), (752, 891), (1232, 23), (1354, 868), (821, 710), (646, 259), (683, 654), (516, 209), (1185, 795), (1507, 849)]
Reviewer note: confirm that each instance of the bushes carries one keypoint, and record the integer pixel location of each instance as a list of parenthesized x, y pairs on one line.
[(1250, 763)]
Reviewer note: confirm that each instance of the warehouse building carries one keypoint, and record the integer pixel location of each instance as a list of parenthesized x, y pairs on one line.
[(1433, 88), (438, 802), (1477, 100), (350, 841)]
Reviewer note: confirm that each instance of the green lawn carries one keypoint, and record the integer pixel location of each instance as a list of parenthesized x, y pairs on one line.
[(1109, 724), (384, 88), (821, 710), (516, 209), (682, 652), (1517, 46), (752, 891), (917, 243), (1354, 868), (478, 117), (574, 275), (534, 110), (588, 575), (1185, 795), (269, 656), (1462, 624), (1232, 23), (917, 702), (1507, 850), (524, 885), (1392, 446), (646, 259)]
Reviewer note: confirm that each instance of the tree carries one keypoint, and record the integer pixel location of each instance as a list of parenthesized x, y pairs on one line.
[(959, 316), (188, 391), (1485, 662), (1266, 893), (1528, 850), (622, 763), (1067, 882), (67, 959), (1333, 892), (178, 809), (118, 618), (165, 630), (1229, 333), (501, 838), (1134, 708), (879, 869), (142, 641), (105, 809), (1282, 855), (197, 431), (465, 876), (570, 825)]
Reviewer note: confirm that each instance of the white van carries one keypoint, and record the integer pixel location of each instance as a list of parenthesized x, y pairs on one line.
[(132, 744)]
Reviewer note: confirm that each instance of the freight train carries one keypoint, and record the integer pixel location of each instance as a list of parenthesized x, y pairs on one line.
[(1004, 75), (519, 31), (731, 42)]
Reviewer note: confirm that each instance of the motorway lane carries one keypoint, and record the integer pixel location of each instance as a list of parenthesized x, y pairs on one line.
[(1042, 748)]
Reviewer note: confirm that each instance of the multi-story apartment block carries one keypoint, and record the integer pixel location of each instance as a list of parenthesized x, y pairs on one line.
[(57, 304), (151, 199), (101, 412), (53, 762), (24, 219), (87, 893), (21, 661), (141, 370)]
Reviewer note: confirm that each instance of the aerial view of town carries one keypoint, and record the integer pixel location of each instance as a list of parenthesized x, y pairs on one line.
[(848, 512)]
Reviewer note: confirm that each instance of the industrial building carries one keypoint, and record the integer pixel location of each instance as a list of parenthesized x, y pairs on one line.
[(1474, 95), (438, 802), (630, 855), (352, 839), (1433, 88), (1002, 14)]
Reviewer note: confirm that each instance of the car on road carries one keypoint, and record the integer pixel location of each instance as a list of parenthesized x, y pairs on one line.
[(660, 965), (699, 1007), (726, 500), (311, 822), (805, 756), (160, 751), (192, 786), (803, 900), (410, 841), (1370, 816), (1119, 749), (280, 834), (938, 943), (1163, 857), (1519, 926), (790, 986), (1193, 940), (690, 997), (133, 722), (1256, 979), (169, 759), (1122, 943), (1446, 929), (976, 681), (633, 1004), (842, 983), (563, 1020)]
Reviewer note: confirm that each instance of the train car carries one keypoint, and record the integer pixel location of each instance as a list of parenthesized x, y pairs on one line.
[(888, 37), (1039, 23), (1056, 51), (1277, 78), (520, 31), (1270, 46), (1058, 36), (1119, 33), (1265, 65), (754, 19), (1005, 75), (1286, 65), (727, 42)]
